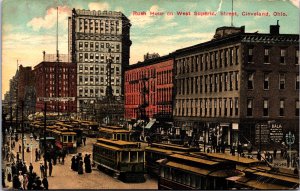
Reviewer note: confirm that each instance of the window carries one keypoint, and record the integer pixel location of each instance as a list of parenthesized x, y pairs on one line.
[(266, 81), (237, 55), (266, 108), (282, 56), (205, 109), (220, 107), (231, 107), (226, 57), (80, 45), (297, 82), (215, 107), (266, 56), (281, 81), (250, 81), (250, 55), (236, 107), (236, 80), (226, 81), (297, 57), (230, 81), (210, 107), (97, 46), (249, 107), (281, 108), (86, 45), (225, 107), (297, 108)]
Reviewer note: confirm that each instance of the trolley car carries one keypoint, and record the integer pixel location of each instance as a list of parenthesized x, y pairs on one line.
[(158, 151), (185, 172), (90, 129), (122, 158), (117, 133), (64, 139)]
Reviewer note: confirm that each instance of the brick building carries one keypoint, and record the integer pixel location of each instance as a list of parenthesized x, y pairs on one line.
[(91, 35), (26, 89), (149, 89), (236, 83), (56, 80)]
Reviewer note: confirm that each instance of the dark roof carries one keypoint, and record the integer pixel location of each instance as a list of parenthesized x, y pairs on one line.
[(245, 38), (151, 61), (46, 63)]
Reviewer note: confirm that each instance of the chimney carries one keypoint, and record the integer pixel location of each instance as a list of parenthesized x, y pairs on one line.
[(274, 29), (44, 55)]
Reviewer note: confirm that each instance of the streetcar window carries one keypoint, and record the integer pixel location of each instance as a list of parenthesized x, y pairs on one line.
[(69, 138), (118, 136), (65, 138), (125, 157), (141, 157), (133, 157), (187, 179), (162, 172), (193, 181)]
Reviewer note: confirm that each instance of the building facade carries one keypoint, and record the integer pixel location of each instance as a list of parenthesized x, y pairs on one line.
[(238, 83), (56, 79), (149, 89), (91, 35)]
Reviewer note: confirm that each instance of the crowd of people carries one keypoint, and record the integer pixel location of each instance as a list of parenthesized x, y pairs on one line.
[(77, 163), (24, 178)]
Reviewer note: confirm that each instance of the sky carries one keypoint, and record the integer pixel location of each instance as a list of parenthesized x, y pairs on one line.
[(29, 26)]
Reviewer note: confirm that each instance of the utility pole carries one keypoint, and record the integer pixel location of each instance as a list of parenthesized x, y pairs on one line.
[(22, 126), (45, 145), (17, 95)]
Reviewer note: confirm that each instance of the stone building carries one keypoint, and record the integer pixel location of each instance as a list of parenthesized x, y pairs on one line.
[(238, 83), (91, 35)]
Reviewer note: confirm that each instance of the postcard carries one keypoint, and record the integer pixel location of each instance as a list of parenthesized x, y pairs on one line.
[(150, 94)]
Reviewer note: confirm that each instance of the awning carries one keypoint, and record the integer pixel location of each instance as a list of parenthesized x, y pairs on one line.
[(150, 124)]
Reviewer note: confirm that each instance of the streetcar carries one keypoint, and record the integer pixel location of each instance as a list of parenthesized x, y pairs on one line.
[(89, 128), (185, 172), (158, 151), (124, 159), (114, 132), (64, 139)]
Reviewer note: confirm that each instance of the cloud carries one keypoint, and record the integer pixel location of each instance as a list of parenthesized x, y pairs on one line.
[(167, 25), (49, 20), (102, 6), (119, 9), (295, 2)]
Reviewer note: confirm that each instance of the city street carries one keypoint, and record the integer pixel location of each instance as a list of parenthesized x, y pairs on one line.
[(65, 178)]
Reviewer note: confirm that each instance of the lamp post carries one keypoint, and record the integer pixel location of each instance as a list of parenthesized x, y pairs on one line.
[(31, 138), (9, 147), (24, 142)]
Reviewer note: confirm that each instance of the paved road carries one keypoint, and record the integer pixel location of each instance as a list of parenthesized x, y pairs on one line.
[(65, 178)]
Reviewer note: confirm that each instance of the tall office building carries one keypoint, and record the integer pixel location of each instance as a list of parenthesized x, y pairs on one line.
[(91, 35)]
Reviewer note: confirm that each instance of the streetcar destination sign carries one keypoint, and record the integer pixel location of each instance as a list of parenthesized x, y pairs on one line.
[(56, 99)]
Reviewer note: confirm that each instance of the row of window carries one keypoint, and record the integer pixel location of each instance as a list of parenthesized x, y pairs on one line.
[(91, 80), (266, 107), (266, 81), (98, 46), (139, 86), (164, 77), (91, 92), (139, 74), (207, 107), (96, 57), (98, 25), (96, 69), (59, 69), (208, 83), (210, 60), (64, 77), (268, 53)]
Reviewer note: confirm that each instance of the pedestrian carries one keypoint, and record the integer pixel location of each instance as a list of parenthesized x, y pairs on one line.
[(63, 156), (258, 156), (274, 153), (25, 182), (18, 156), (30, 168), (50, 168), (42, 168), (3, 179), (45, 183), (20, 147), (80, 167), (16, 182), (89, 167), (28, 148), (288, 160), (84, 139), (40, 154), (24, 168), (36, 154), (21, 180), (73, 163)]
